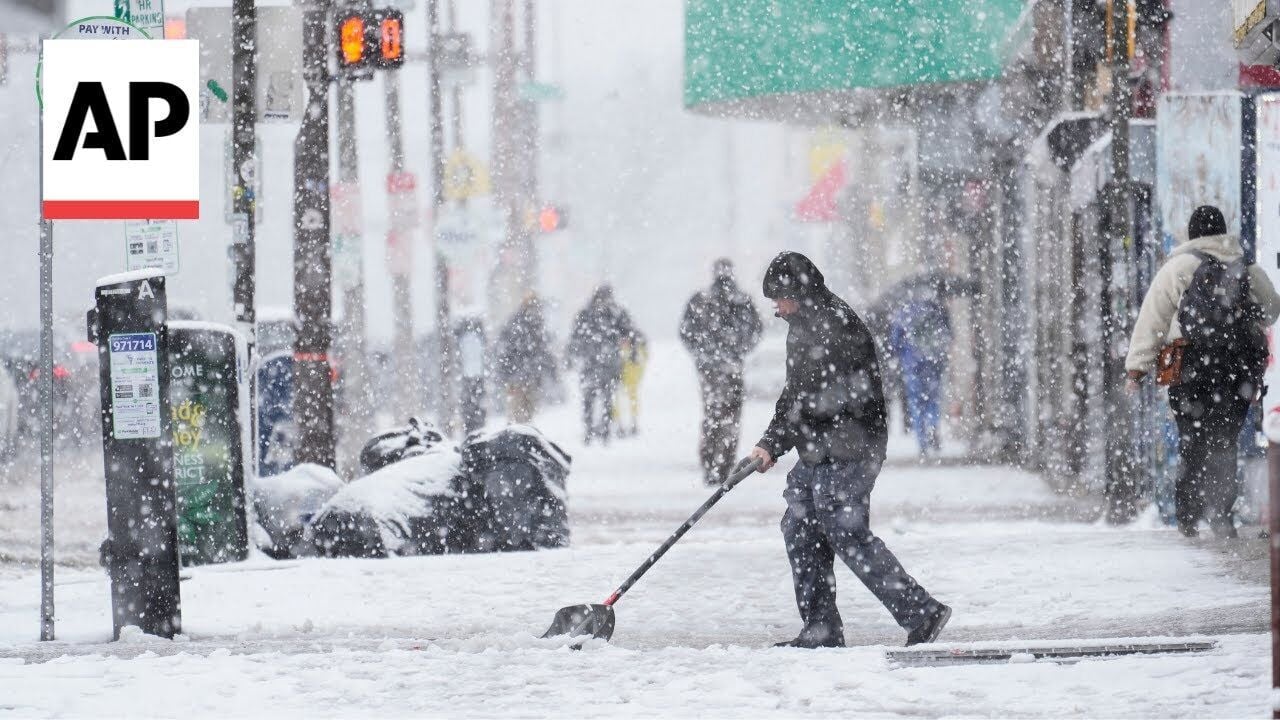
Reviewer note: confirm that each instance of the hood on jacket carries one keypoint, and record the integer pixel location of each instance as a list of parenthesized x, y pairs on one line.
[(1225, 247), (792, 275)]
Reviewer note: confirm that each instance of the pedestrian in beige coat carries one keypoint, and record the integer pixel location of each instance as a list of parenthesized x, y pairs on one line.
[(1211, 400)]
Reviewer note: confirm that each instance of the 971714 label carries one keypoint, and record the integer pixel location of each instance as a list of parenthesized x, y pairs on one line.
[(135, 386)]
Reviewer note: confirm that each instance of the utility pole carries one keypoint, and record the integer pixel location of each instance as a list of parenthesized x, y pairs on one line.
[(1121, 487), (399, 245), (446, 351), (529, 63), (312, 388), (244, 62), (515, 150), (349, 269)]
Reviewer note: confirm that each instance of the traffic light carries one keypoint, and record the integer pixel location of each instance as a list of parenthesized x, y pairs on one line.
[(552, 218), (354, 56), (390, 32), (369, 39)]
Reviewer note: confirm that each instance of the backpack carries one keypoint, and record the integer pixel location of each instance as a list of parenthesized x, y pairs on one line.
[(1221, 323)]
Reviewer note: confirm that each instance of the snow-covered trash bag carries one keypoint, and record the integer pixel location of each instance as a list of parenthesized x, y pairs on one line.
[(522, 476), (286, 503), (421, 505), (395, 445)]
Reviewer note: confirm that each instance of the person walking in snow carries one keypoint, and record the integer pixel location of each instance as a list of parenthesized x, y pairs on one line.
[(595, 348), (720, 326), (920, 338), (525, 360), (832, 412), (1204, 319), (471, 344)]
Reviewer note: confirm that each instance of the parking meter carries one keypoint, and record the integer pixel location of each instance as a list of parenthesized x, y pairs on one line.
[(141, 551), (209, 401)]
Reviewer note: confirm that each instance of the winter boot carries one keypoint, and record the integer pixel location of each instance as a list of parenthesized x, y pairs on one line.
[(928, 630), (813, 639)]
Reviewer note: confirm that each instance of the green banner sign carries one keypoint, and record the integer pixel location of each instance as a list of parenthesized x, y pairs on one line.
[(207, 444)]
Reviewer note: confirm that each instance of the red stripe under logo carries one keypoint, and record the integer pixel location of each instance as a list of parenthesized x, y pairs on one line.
[(121, 209)]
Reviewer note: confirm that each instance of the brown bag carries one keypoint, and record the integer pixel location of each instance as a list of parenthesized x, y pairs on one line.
[(1169, 363)]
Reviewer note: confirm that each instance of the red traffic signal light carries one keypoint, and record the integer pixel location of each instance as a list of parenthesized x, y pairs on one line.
[(390, 38), (552, 218)]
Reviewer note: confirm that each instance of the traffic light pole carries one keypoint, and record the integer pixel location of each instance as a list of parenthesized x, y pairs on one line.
[(312, 262), (244, 36), (349, 247)]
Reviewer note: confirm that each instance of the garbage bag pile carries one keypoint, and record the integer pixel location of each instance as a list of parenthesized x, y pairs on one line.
[(422, 495), (522, 476), (284, 505)]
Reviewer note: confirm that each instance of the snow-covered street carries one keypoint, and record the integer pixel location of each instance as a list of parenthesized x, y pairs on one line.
[(458, 635)]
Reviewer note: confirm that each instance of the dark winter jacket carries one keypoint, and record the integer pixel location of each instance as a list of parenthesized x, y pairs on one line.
[(832, 407), (596, 342), (720, 326), (524, 348)]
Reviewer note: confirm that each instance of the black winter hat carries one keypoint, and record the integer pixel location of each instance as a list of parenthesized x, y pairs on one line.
[(1207, 220), (792, 275)]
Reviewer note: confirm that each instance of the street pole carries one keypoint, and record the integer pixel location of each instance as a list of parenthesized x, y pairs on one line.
[(532, 148), (349, 268), (312, 262), (399, 249), (446, 352), (46, 404), (1121, 488), (515, 149), (1273, 539), (244, 35)]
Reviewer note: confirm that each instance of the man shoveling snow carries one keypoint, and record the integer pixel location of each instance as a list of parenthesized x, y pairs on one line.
[(832, 412)]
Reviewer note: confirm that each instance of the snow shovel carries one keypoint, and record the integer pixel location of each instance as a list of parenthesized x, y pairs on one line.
[(596, 621)]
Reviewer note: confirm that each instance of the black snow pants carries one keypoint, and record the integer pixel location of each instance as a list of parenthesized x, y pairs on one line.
[(828, 515), (1209, 419), (721, 422)]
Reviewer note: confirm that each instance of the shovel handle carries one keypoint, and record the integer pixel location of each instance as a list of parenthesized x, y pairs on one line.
[(745, 468)]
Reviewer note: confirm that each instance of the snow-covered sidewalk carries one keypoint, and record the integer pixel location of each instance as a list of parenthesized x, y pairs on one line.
[(458, 635)]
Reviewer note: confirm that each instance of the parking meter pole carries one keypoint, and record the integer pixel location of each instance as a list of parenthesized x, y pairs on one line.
[(141, 551), (46, 429)]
